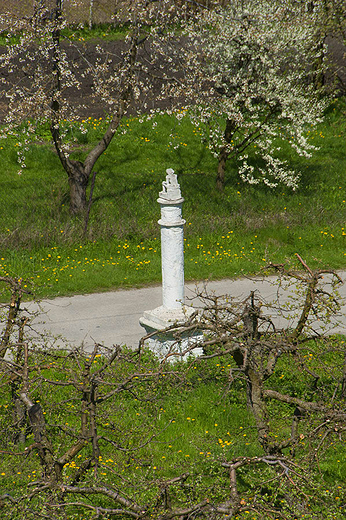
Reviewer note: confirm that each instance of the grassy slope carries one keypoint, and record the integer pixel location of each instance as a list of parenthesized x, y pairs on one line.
[(226, 235)]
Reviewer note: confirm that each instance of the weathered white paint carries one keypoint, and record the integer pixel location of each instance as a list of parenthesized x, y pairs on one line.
[(172, 264), (156, 320), (172, 310), (172, 242)]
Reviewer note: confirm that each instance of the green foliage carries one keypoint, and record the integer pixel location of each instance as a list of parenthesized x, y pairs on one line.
[(227, 234)]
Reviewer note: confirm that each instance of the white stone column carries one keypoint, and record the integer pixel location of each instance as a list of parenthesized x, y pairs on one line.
[(172, 311), (172, 243)]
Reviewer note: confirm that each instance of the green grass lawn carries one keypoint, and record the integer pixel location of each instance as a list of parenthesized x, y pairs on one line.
[(230, 234), (186, 424)]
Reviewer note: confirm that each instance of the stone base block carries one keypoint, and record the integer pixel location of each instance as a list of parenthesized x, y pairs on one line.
[(164, 343)]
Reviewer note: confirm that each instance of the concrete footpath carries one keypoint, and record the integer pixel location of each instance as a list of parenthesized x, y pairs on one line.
[(113, 317)]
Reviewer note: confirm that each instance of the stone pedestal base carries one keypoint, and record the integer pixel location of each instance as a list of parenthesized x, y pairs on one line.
[(163, 343)]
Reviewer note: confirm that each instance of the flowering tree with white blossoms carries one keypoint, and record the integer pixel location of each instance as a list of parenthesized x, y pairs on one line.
[(247, 71), (41, 67)]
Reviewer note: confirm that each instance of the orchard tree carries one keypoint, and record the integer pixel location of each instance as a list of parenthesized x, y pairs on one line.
[(246, 72), (44, 66)]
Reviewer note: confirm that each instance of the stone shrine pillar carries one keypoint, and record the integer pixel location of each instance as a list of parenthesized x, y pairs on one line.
[(172, 242), (172, 309)]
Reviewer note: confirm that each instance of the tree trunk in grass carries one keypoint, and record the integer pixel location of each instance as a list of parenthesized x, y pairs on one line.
[(221, 167), (79, 172), (78, 181), (224, 154), (257, 405)]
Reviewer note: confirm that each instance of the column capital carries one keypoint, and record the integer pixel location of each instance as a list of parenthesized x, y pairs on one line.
[(170, 193)]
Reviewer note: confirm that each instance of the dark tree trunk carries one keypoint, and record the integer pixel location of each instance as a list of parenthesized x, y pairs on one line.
[(254, 394), (257, 405), (78, 180), (221, 167), (224, 154)]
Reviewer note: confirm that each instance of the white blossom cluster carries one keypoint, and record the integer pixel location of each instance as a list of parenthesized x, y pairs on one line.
[(247, 71)]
